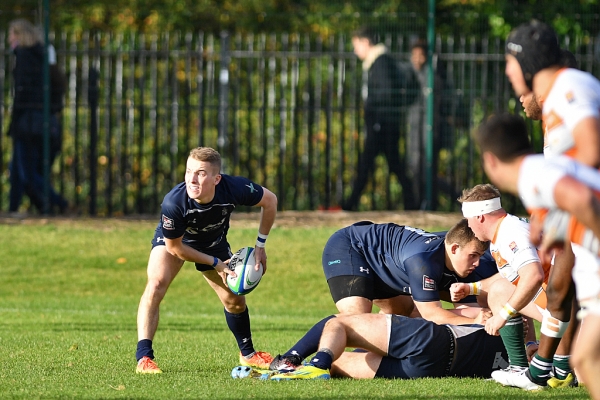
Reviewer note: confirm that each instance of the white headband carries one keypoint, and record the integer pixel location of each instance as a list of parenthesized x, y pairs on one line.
[(476, 208)]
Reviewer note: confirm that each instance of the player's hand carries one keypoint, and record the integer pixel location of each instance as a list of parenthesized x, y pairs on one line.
[(531, 350), (494, 324), (483, 315), (260, 255), (459, 291), (222, 269)]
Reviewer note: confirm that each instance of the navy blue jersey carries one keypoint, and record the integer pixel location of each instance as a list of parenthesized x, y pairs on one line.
[(408, 259), (205, 226), (420, 348)]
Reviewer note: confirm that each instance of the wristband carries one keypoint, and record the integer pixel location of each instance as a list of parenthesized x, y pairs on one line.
[(475, 288), (507, 312), (261, 240), (215, 262), (530, 343)]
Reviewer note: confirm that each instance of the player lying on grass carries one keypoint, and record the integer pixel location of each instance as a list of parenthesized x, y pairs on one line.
[(398, 347), (397, 267), (549, 184), (523, 289)]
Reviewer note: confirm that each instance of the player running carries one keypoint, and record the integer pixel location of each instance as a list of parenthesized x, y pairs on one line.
[(193, 227), (548, 184)]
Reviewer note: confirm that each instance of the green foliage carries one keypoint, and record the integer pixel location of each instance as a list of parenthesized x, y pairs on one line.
[(478, 17), (68, 313)]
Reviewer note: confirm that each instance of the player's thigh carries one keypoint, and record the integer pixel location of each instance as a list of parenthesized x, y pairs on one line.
[(231, 301), (366, 331), (163, 267), (354, 305), (357, 365), (499, 293), (401, 305), (587, 345)]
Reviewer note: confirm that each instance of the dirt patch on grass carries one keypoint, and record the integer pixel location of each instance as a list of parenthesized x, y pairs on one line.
[(417, 219)]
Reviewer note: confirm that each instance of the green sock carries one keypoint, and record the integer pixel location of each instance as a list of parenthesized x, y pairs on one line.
[(561, 366), (512, 336), (540, 368)]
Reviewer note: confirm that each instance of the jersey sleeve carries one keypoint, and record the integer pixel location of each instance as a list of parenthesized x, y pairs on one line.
[(537, 180), (244, 191), (424, 277), (172, 219), (578, 101)]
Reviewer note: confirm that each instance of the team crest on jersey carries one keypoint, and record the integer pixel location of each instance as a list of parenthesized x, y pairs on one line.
[(570, 97), (428, 283), (513, 246), (167, 223)]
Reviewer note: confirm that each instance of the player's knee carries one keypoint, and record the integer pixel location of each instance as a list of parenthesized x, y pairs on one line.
[(234, 304), (156, 289)]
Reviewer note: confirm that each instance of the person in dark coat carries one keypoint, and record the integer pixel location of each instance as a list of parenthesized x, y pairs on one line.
[(383, 116), (27, 121)]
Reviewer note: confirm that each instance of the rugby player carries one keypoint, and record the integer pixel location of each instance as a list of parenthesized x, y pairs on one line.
[(565, 184), (193, 227), (523, 290)]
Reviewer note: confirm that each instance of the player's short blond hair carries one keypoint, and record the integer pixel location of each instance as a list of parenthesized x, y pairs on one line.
[(483, 191), (207, 154), (27, 34), (463, 235)]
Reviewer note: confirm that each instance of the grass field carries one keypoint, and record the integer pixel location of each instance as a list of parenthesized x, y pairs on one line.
[(68, 301)]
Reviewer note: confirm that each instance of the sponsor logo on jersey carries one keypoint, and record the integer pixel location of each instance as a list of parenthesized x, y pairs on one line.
[(167, 223), (513, 246), (428, 283), (334, 262), (252, 188), (570, 97), (361, 269)]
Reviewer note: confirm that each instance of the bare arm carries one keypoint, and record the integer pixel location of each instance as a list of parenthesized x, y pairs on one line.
[(433, 311), (177, 248), (268, 203)]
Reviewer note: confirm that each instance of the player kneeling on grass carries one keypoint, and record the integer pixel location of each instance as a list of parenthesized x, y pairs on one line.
[(398, 347), (523, 289), (193, 227)]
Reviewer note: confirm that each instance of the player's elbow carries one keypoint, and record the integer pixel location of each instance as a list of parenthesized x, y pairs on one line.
[(269, 200), (175, 251)]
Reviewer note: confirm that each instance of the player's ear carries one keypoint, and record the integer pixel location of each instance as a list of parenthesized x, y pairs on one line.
[(454, 248), (217, 179)]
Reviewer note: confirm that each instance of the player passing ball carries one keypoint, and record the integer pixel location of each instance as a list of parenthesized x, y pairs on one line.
[(193, 227)]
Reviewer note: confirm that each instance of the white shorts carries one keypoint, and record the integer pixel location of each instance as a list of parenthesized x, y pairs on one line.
[(586, 275)]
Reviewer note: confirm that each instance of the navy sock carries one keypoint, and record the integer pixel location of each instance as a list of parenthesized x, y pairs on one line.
[(323, 360), (239, 325), (309, 343), (144, 349)]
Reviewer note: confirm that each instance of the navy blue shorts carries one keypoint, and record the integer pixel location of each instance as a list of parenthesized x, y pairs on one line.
[(222, 253), (348, 273), (418, 348)]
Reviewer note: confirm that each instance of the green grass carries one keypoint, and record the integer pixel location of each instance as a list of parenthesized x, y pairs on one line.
[(68, 303)]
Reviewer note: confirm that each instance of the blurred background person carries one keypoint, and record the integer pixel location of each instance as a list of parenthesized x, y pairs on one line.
[(383, 117), (27, 120)]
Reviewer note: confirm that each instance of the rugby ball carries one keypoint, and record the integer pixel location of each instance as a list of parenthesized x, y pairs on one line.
[(242, 262)]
